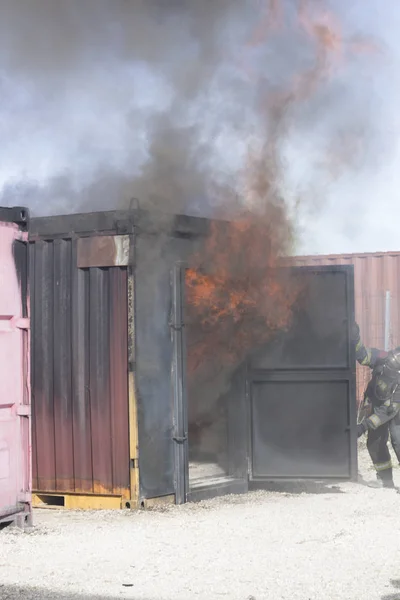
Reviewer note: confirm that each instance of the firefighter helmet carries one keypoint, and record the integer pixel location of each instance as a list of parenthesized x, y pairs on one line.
[(392, 362)]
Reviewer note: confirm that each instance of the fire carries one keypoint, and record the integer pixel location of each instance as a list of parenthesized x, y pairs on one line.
[(237, 296), (236, 293)]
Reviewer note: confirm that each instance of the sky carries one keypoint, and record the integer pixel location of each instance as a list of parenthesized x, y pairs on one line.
[(75, 130)]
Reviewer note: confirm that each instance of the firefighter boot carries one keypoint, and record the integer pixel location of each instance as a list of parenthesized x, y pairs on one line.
[(384, 479)]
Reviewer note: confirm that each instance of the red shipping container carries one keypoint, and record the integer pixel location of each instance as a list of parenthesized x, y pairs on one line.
[(15, 409)]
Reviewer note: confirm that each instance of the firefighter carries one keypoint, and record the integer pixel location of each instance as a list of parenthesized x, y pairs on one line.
[(382, 408)]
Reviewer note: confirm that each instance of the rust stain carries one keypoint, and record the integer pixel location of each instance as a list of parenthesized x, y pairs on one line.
[(85, 393), (103, 251), (96, 488)]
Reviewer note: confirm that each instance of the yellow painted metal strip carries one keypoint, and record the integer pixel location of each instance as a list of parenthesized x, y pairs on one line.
[(77, 501), (133, 411), (133, 442)]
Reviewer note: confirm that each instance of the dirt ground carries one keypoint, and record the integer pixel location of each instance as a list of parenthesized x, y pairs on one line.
[(318, 543)]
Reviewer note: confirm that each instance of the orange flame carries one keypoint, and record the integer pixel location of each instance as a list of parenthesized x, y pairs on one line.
[(237, 294)]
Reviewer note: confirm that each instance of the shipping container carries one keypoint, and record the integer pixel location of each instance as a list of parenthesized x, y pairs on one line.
[(15, 409), (114, 415), (377, 298)]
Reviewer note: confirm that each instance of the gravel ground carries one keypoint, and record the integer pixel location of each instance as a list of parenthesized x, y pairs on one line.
[(321, 543)]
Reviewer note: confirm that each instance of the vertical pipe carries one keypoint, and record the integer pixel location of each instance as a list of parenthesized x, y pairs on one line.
[(387, 320)]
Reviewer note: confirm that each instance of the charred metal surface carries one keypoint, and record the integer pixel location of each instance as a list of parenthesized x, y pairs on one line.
[(155, 259), (118, 357), (17, 214), (20, 253), (180, 436), (80, 369), (81, 224), (43, 365), (103, 251), (302, 387), (153, 365), (149, 348), (82, 446), (120, 222), (122, 337), (62, 357), (99, 381)]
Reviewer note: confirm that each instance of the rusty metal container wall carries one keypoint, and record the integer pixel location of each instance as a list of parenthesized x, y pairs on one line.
[(15, 436), (79, 373), (374, 275), (150, 346)]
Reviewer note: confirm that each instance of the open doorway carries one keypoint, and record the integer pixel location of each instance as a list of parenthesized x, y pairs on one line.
[(216, 410)]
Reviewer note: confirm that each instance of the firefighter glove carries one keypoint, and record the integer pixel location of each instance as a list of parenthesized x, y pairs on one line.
[(391, 409), (361, 429)]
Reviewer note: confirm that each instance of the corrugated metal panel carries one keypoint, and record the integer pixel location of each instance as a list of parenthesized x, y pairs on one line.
[(80, 383), (374, 275), (150, 342), (15, 438)]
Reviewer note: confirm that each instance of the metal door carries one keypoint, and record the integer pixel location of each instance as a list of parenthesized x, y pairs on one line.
[(302, 408), (232, 477), (15, 448)]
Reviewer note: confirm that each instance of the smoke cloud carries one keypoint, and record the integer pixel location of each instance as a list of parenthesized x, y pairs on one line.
[(105, 100)]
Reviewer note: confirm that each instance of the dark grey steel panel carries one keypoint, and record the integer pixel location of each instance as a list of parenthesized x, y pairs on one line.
[(16, 214), (156, 257), (300, 429), (318, 337), (302, 400), (116, 221)]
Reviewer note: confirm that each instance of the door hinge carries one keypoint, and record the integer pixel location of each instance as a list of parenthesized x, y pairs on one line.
[(176, 326), (180, 440), (24, 410)]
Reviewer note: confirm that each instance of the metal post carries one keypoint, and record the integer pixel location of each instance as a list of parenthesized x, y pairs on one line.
[(387, 320), (180, 435)]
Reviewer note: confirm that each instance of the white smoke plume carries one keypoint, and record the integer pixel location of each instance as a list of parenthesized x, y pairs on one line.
[(105, 100)]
